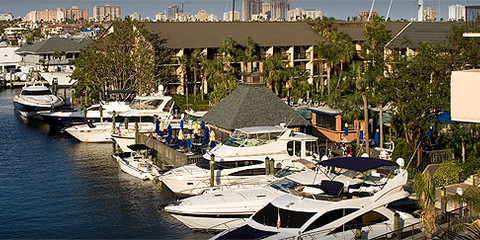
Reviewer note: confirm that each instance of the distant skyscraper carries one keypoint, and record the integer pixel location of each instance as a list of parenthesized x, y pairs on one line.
[(228, 16), (267, 9), (300, 14), (279, 9), (160, 17), (45, 16), (249, 8), (75, 13), (172, 12), (107, 13), (6, 16), (456, 12)]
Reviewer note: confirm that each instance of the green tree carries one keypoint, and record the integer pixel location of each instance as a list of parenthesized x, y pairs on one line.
[(426, 197), (274, 69)]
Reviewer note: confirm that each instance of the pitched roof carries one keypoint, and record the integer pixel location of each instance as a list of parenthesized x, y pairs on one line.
[(252, 105), (210, 35), (54, 44), (355, 30), (421, 32)]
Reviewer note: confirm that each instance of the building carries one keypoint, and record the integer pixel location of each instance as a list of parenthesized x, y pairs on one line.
[(295, 41), (53, 54), (328, 125), (135, 16), (202, 16), (160, 17), (267, 9), (300, 14), (365, 13), (212, 18), (279, 9), (184, 17), (430, 14), (107, 13), (173, 11), (6, 16), (45, 16), (456, 12), (260, 17), (228, 16), (74, 13), (9, 59), (249, 8)]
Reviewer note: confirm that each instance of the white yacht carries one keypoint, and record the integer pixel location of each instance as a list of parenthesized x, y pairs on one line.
[(242, 157), (101, 132), (137, 164), (34, 99), (333, 209)]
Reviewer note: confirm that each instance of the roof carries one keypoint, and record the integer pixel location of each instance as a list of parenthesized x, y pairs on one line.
[(325, 110), (252, 105), (55, 44), (355, 30), (211, 34), (421, 32), (261, 129)]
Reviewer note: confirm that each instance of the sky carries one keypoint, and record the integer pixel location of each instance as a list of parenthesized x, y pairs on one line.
[(340, 9)]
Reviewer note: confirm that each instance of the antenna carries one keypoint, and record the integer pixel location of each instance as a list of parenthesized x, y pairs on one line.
[(233, 11)]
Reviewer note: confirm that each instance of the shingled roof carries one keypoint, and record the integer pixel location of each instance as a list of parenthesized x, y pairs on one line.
[(252, 105), (421, 32), (54, 44), (210, 35)]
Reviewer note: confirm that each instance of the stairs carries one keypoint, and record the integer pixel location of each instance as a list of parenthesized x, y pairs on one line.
[(473, 179)]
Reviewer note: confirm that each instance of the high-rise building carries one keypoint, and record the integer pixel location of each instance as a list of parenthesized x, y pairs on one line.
[(202, 16), (45, 16), (173, 11), (267, 9), (300, 14), (249, 8), (6, 16), (74, 13), (456, 12), (279, 9), (229, 16), (212, 18), (106, 13), (430, 14), (135, 16), (160, 17)]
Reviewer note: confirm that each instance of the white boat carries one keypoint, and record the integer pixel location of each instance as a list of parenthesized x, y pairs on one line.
[(333, 210), (101, 132), (137, 164), (35, 98), (242, 157)]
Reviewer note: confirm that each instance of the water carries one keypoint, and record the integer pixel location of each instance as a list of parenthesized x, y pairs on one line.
[(52, 186)]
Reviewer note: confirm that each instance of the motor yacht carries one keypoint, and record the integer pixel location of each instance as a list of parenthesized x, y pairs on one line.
[(242, 157), (333, 209), (101, 132), (35, 98), (137, 164)]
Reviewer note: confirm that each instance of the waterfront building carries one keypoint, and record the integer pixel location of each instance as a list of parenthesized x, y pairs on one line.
[(300, 14), (184, 17), (9, 59), (173, 11), (430, 14), (456, 12), (53, 54), (107, 13), (249, 8), (202, 16), (295, 41), (212, 18), (44, 16), (279, 9), (74, 13), (229, 16), (14, 34), (6, 16), (160, 17)]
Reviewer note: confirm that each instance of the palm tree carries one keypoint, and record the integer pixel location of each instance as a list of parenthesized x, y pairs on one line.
[(426, 197), (362, 87), (196, 59), (273, 68)]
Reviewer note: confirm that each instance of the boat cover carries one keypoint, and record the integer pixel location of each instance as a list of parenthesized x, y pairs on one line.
[(359, 164), (137, 147)]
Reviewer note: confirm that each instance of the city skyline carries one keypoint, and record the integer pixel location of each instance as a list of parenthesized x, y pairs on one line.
[(401, 9)]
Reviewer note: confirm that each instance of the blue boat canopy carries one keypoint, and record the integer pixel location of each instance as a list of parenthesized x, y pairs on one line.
[(120, 92), (444, 117), (359, 164)]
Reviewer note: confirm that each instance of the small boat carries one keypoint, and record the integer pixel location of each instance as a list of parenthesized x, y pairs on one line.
[(101, 132), (137, 164), (35, 98)]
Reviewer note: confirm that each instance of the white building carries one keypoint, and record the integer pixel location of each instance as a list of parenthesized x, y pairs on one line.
[(135, 16), (456, 12), (212, 18), (300, 14), (160, 17), (107, 13), (6, 16), (228, 16), (9, 59)]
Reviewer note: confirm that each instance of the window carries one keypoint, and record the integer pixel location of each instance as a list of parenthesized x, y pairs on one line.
[(366, 219), (294, 148), (329, 217), (69, 55), (205, 164), (288, 219), (249, 172), (36, 93)]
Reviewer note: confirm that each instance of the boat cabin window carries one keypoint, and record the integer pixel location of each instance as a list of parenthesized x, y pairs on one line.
[(294, 148), (364, 220), (329, 217), (146, 104), (249, 172), (284, 185), (268, 216), (168, 106), (36, 93), (205, 164), (240, 138)]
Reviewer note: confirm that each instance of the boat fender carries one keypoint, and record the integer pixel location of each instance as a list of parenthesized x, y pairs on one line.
[(117, 131)]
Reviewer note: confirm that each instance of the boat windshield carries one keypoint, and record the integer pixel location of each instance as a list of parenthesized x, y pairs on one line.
[(36, 93), (284, 185), (151, 104), (205, 164), (269, 215), (240, 138)]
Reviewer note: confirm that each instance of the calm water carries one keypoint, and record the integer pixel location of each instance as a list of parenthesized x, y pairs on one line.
[(52, 186)]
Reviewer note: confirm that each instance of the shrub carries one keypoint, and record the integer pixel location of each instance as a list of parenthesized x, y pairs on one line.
[(446, 174)]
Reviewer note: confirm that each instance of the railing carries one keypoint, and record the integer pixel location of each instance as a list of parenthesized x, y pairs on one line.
[(433, 157), (407, 232)]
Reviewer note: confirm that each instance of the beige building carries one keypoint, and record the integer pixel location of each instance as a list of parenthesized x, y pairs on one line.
[(45, 16), (202, 16), (160, 17), (228, 16), (74, 13), (107, 13), (430, 14)]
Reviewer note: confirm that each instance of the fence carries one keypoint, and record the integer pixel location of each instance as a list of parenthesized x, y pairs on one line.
[(433, 157)]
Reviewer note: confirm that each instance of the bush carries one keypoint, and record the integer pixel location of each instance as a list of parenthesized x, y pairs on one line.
[(471, 166), (402, 150), (446, 174)]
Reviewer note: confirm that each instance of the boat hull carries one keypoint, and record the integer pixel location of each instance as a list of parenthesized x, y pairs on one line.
[(123, 142), (213, 221), (127, 168), (92, 135)]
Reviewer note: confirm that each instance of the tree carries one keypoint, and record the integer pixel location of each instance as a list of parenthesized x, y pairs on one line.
[(275, 75), (426, 197)]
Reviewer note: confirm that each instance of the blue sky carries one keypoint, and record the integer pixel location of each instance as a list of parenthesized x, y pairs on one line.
[(405, 9)]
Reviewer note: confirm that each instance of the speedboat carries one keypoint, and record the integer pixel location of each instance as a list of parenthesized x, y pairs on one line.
[(242, 157), (137, 164), (101, 132), (333, 209), (35, 98)]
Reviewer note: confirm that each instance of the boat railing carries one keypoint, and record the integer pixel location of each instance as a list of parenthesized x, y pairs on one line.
[(225, 224), (321, 233)]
